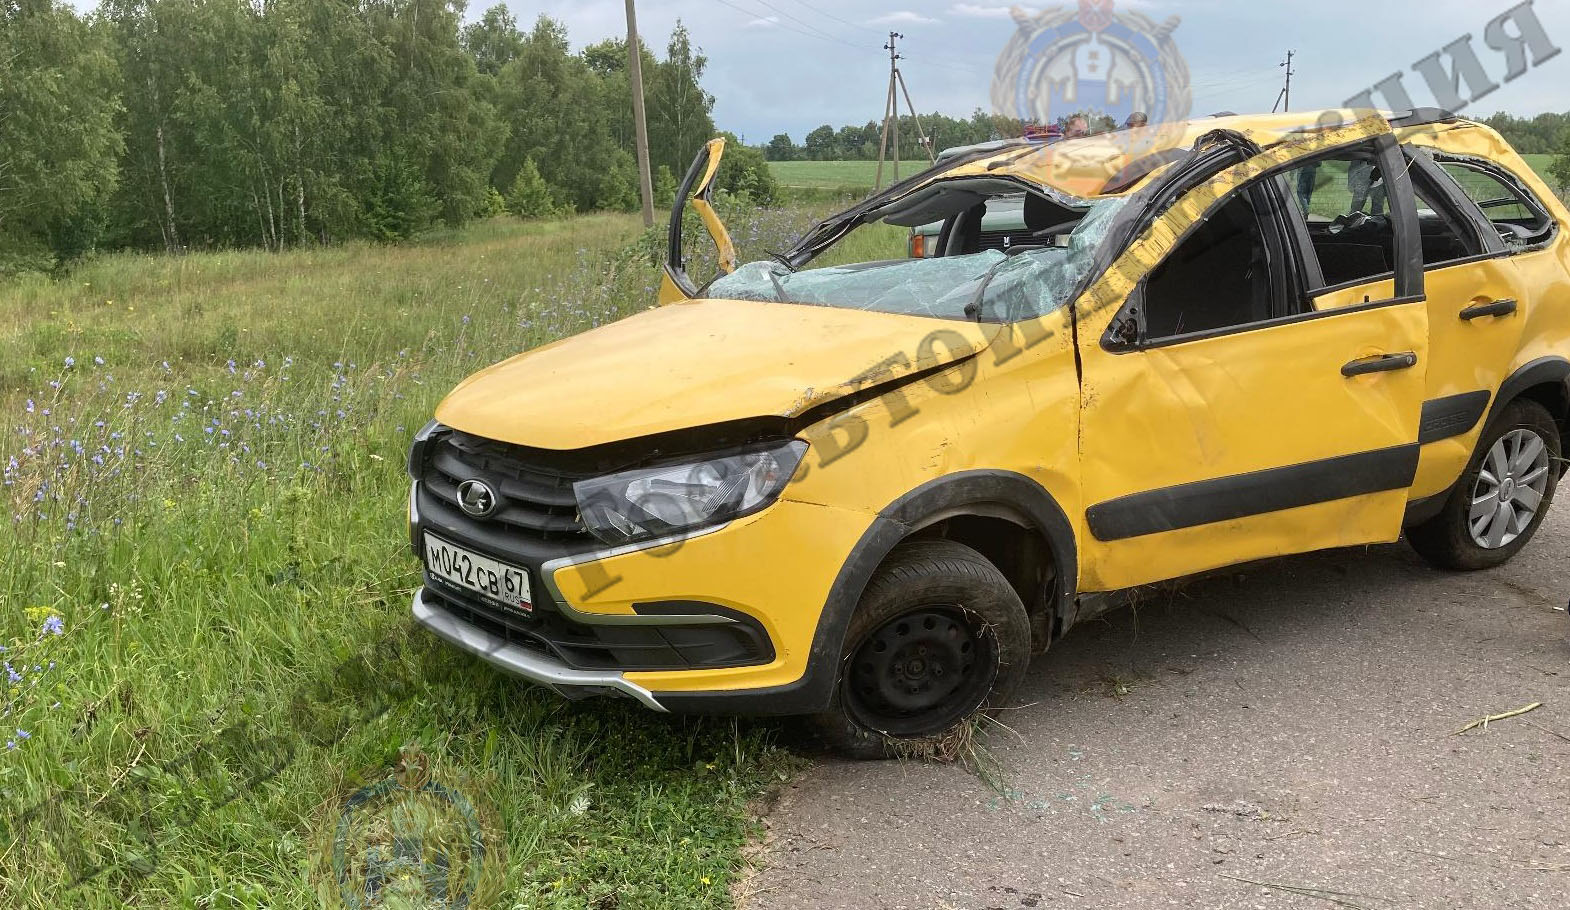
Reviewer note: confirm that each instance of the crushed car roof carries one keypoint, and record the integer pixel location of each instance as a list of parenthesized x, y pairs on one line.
[(1088, 167), (1073, 173)]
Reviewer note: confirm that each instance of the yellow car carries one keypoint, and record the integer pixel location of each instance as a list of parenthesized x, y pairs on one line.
[(870, 493)]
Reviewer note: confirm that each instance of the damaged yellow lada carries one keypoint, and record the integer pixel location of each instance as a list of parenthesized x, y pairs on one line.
[(869, 493)]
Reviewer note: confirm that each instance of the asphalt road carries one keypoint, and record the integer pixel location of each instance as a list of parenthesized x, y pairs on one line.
[(1293, 726)]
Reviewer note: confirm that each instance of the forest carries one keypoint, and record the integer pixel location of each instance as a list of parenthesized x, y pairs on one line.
[(1544, 134), (212, 124), (860, 143), (194, 124)]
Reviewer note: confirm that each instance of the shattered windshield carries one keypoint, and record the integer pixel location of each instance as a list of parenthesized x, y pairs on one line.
[(992, 286)]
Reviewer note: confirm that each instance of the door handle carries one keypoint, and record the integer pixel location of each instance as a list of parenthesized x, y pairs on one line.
[(1496, 308), (1384, 363)]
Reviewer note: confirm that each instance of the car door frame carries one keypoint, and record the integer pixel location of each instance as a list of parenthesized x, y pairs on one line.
[(1455, 419), (1408, 274), (696, 189), (1406, 279)]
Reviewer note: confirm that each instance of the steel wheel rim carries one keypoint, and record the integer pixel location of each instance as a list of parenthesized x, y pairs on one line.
[(1511, 484), (921, 672)]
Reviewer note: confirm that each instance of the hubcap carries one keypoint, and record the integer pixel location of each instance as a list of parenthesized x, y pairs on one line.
[(1511, 484), (922, 672)]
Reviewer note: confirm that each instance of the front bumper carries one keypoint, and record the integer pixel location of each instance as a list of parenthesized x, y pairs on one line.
[(534, 666)]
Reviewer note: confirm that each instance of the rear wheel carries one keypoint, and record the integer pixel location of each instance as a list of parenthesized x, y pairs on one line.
[(939, 637), (1501, 500)]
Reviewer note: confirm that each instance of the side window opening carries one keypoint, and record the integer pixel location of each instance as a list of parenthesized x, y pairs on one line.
[(1447, 235), (1344, 202), (1516, 214), (1218, 277)]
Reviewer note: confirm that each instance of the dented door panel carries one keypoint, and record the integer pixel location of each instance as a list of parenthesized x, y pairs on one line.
[(1267, 419), (1280, 436), (1469, 356)]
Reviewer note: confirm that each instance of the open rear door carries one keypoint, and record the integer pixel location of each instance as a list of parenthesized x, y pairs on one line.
[(698, 189)]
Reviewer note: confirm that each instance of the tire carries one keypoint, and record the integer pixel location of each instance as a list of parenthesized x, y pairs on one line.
[(1450, 540), (942, 608)]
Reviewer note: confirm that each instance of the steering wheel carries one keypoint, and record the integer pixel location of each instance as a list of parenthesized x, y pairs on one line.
[(1351, 221)]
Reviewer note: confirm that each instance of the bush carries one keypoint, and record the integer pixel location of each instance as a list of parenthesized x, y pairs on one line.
[(745, 173), (619, 189), (665, 187), (493, 204), (530, 196), (20, 255), (400, 204)]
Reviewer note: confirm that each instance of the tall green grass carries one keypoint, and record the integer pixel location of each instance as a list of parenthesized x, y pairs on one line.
[(205, 602)]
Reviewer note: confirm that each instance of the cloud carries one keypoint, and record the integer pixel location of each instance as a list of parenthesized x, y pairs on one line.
[(765, 22), (977, 11), (902, 17)]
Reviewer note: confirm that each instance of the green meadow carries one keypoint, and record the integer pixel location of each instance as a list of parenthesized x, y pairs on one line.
[(205, 612)]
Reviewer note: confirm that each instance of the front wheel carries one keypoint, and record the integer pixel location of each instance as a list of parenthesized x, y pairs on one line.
[(939, 637), (1501, 500)]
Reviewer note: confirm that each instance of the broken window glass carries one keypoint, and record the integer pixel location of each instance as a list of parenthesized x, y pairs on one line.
[(1520, 219), (989, 285)]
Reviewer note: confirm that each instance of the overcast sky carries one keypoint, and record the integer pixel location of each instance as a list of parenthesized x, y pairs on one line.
[(791, 65)]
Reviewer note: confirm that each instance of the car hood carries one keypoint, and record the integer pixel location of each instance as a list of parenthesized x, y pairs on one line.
[(696, 363)]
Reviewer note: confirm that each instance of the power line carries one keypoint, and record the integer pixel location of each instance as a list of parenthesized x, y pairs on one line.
[(805, 23), (829, 15), (1259, 69), (772, 20), (957, 67)]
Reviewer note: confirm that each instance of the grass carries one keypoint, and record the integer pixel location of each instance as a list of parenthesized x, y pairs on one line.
[(1542, 164), (836, 175), (205, 607)]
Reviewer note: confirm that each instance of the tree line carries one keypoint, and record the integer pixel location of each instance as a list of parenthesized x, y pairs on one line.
[(178, 124), (1544, 134), (860, 143)]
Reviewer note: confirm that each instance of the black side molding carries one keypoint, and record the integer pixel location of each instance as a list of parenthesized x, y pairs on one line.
[(1258, 493), (1456, 415)]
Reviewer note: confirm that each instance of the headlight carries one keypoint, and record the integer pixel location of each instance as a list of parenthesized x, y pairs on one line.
[(656, 502), (417, 449)]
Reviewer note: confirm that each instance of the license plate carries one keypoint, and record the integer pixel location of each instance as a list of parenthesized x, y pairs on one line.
[(482, 575)]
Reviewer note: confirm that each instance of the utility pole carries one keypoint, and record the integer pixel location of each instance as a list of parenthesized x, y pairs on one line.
[(1284, 100), (640, 124), (893, 79), (897, 87)]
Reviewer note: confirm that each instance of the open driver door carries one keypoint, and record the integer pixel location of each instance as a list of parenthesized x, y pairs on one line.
[(698, 189)]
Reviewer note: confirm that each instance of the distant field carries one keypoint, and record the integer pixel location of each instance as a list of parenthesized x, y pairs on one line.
[(860, 175), (835, 175), (1541, 164)]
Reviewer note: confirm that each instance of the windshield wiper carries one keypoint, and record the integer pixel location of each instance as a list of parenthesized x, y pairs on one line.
[(779, 289), (973, 308)]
